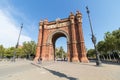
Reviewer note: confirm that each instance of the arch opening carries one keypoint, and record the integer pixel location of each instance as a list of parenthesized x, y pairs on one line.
[(54, 38), (60, 48)]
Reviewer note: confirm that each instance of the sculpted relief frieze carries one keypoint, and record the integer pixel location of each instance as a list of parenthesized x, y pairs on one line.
[(58, 25)]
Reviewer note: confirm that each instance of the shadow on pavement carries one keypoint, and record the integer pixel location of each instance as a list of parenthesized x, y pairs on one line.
[(59, 74), (36, 65)]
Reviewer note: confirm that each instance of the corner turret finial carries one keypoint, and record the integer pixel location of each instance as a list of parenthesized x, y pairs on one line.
[(78, 12), (71, 14)]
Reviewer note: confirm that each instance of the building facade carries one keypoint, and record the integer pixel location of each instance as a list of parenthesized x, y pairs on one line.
[(71, 28)]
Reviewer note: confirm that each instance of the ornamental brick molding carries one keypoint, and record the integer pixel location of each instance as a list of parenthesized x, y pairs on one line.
[(71, 28)]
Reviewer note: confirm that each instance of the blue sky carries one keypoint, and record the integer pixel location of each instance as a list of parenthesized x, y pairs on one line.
[(105, 16)]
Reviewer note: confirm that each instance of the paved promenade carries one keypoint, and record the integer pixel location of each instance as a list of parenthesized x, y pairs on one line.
[(28, 70)]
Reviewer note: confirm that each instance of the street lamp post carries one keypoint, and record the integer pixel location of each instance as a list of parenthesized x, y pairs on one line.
[(98, 62), (17, 43)]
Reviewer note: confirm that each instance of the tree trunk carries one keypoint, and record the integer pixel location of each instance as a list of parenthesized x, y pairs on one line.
[(28, 56), (103, 57), (114, 57), (109, 56)]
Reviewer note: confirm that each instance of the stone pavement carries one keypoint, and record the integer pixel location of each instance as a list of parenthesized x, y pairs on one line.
[(61, 71)]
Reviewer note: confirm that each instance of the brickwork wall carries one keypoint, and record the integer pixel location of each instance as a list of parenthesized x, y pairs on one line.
[(71, 28)]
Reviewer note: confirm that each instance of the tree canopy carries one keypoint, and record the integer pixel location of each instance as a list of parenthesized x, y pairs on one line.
[(110, 46), (27, 50), (60, 53)]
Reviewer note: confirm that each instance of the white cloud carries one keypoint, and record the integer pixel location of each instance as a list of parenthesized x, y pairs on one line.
[(9, 31)]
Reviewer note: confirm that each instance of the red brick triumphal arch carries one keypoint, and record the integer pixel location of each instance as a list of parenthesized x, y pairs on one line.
[(71, 28)]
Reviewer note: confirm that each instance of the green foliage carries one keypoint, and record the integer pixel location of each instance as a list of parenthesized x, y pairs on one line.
[(91, 53), (2, 51), (109, 40), (60, 53), (116, 35), (112, 41), (29, 48), (102, 47), (9, 52), (109, 46), (20, 53)]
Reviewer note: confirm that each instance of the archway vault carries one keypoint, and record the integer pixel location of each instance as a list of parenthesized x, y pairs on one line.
[(71, 28), (56, 34)]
